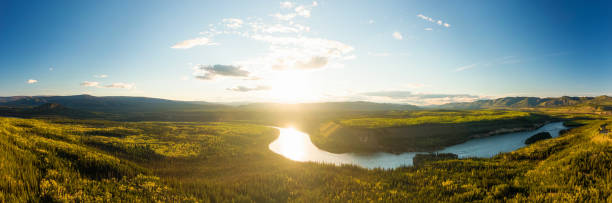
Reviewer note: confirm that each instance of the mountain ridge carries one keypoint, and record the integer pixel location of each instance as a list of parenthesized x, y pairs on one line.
[(530, 102)]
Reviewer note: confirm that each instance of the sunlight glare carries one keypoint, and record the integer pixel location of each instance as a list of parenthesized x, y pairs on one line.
[(292, 143), (291, 87)]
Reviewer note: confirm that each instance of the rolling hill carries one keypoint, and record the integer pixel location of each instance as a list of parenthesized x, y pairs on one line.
[(532, 102), (108, 104)]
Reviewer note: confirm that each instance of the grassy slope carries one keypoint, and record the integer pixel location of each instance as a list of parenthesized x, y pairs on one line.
[(163, 161), (401, 131)]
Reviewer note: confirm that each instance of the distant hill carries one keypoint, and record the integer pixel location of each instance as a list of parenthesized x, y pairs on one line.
[(48, 109), (144, 107), (53, 109), (328, 106), (531, 102), (108, 104)]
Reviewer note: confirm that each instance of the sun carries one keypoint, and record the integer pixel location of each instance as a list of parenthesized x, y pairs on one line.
[(291, 87)]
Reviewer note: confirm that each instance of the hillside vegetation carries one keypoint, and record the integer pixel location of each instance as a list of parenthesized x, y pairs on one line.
[(601, 104), (404, 131), (409, 118), (68, 160)]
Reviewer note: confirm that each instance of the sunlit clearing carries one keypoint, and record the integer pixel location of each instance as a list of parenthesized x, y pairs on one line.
[(292, 143), (291, 87)]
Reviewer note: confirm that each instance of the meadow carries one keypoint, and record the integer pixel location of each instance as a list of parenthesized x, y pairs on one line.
[(95, 160)]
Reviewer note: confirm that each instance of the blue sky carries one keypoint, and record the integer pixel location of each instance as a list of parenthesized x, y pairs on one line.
[(418, 52)]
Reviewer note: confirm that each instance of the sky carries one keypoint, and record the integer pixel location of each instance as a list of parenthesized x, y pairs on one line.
[(415, 52)]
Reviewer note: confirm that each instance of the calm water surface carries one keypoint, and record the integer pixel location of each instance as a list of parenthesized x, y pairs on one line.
[(296, 145)]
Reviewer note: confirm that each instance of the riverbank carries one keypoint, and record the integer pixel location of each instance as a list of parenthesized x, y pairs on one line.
[(297, 146), (420, 131)]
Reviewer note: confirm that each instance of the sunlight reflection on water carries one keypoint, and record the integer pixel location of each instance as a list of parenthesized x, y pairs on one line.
[(296, 145)]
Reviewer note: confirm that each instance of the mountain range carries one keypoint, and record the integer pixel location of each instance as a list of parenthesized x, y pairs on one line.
[(120, 104), (532, 102)]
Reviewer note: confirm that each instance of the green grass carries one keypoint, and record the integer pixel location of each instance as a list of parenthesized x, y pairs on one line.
[(79, 160), (405, 131), (409, 118)]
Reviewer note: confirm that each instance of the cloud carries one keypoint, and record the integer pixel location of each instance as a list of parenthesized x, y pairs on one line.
[(497, 62), (288, 46), (302, 10), (90, 84), (50, 68), (285, 17), (466, 67), (249, 89), (32, 81), (287, 4), (397, 35), (313, 63), (428, 29), (418, 98), (371, 21), (278, 28), (252, 78), (101, 76), (120, 85), (207, 72), (192, 42), (439, 22), (299, 53), (233, 23)]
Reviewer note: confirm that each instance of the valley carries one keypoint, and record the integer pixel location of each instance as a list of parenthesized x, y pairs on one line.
[(51, 156)]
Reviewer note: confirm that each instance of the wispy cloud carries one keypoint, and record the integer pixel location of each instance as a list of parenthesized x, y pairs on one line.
[(299, 52), (287, 4), (438, 22), (428, 29), (418, 98), (90, 84), (101, 76), (289, 46), (301, 10), (462, 68), (371, 21), (397, 35), (31, 81), (287, 16), (278, 28), (192, 43), (120, 85), (497, 61), (233, 23), (208, 72), (249, 89)]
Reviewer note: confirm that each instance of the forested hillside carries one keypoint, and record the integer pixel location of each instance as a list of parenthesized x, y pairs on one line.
[(69, 160), (602, 102)]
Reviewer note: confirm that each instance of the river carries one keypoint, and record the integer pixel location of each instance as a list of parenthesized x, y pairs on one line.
[(296, 145)]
